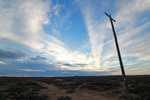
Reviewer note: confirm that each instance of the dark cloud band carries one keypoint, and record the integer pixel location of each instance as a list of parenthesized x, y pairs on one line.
[(11, 53)]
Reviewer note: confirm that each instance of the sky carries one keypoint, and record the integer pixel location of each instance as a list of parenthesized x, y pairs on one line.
[(73, 37)]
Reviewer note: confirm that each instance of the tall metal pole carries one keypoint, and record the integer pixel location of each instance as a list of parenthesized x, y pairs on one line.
[(119, 55)]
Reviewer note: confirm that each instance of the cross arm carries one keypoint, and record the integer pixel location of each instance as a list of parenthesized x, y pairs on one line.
[(110, 17)]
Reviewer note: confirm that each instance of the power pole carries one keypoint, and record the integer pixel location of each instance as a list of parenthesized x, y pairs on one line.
[(119, 55)]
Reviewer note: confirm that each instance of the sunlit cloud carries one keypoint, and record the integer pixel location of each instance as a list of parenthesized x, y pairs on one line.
[(32, 33), (30, 70), (101, 37), (95, 31), (1, 62), (32, 15)]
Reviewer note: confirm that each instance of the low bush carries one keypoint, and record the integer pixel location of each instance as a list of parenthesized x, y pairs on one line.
[(26, 91), (3, 96), (64, 98), (142, 90), (70, 90)]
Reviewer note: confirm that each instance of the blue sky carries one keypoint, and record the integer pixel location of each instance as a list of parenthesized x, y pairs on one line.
[(73, 37)]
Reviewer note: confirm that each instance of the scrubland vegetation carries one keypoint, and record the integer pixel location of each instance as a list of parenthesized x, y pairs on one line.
[(23, 88)]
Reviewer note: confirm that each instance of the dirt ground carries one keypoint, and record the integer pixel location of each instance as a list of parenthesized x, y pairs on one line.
[(80, 94), (77, 88)]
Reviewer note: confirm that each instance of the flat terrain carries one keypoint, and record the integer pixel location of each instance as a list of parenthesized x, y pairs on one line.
[(74, 88)]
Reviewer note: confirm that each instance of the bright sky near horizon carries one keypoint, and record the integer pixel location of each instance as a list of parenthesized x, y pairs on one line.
[(73, 37)]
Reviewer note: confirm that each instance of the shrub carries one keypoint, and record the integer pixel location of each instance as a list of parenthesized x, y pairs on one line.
[(116, 91), (70, 90), (3, 96), (26, 91), (64, 98)]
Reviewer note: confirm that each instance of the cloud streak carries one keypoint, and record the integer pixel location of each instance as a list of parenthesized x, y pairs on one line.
[(23, 26), (96, 30), (30, 70), (132, 42)]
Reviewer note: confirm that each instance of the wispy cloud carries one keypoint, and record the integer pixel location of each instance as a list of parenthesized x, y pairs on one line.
[(1, 62), (133, 38), (132, 42), (60, 15), (96, 30), (24, 20), (30, 70)]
